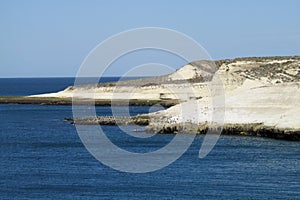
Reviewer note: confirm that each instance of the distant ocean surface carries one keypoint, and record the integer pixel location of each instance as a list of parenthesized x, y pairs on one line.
[(30, 86), (42, 157)]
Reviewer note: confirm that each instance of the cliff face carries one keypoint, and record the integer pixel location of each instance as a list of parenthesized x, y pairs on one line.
[(262, 95), (264, 91)]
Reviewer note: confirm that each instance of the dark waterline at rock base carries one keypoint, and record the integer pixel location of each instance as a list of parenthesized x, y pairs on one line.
[(252, 129)]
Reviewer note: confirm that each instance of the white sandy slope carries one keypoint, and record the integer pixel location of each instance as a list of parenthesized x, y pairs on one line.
[(273, 105), (165, 91), (183, 91), (233, 75)]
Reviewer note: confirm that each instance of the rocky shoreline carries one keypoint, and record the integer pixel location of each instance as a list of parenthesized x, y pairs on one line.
[(142, 120), (252, 129), (68, 101)]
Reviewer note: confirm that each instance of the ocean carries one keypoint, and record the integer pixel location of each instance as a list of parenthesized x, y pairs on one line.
[(42, 157)]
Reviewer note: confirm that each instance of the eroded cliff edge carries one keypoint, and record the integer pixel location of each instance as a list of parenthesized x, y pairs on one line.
[(262, 96)]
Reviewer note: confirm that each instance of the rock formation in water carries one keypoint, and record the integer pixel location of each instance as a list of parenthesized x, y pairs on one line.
[(261, 92)]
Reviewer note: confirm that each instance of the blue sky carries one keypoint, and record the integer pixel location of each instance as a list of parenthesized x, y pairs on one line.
[(51, 38)]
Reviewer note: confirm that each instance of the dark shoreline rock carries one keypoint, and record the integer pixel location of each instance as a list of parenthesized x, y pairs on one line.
[(141, 120), (68, 101), (251, 129)]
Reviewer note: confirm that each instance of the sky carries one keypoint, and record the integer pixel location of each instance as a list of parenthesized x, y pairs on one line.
[(51, 38)]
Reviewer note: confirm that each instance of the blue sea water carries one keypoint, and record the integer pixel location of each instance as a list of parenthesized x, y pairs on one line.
[(42, 157), (30, 86)]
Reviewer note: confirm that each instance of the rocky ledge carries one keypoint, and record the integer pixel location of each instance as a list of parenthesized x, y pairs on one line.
[(249, 129)]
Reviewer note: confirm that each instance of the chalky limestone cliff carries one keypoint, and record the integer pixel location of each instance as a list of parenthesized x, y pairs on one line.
[(261, 96)]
